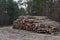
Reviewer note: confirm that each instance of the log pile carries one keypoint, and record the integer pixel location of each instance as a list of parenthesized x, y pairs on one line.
[(39, 24)]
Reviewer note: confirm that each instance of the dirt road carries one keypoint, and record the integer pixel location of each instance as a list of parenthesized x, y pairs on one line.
[(7, 33)]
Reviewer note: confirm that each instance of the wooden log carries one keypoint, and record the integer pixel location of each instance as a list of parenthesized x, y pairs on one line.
[(39, 24)]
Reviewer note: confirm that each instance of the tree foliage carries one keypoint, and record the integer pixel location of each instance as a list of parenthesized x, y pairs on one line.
[(36, 7), (12, 10)]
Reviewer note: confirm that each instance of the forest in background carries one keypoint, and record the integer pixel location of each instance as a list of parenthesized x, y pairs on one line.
[(9, 9)]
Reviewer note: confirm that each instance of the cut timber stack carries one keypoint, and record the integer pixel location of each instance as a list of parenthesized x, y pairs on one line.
[(39, 24)]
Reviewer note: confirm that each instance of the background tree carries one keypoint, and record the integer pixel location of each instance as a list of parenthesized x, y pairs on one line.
[(35, 7), (22, 12), (9, 11), (3, 13), (12, 9)]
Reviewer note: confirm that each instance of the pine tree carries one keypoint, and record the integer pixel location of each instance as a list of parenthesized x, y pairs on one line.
[(12, 9), (35, 7)]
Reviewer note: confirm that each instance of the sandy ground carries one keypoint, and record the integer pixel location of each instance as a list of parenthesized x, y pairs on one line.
[(7, 33)]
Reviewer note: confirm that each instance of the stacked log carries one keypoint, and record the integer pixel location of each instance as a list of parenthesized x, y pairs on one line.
[(39, 24)]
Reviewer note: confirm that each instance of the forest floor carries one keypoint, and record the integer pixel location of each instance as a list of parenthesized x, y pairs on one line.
[(7, 33)]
